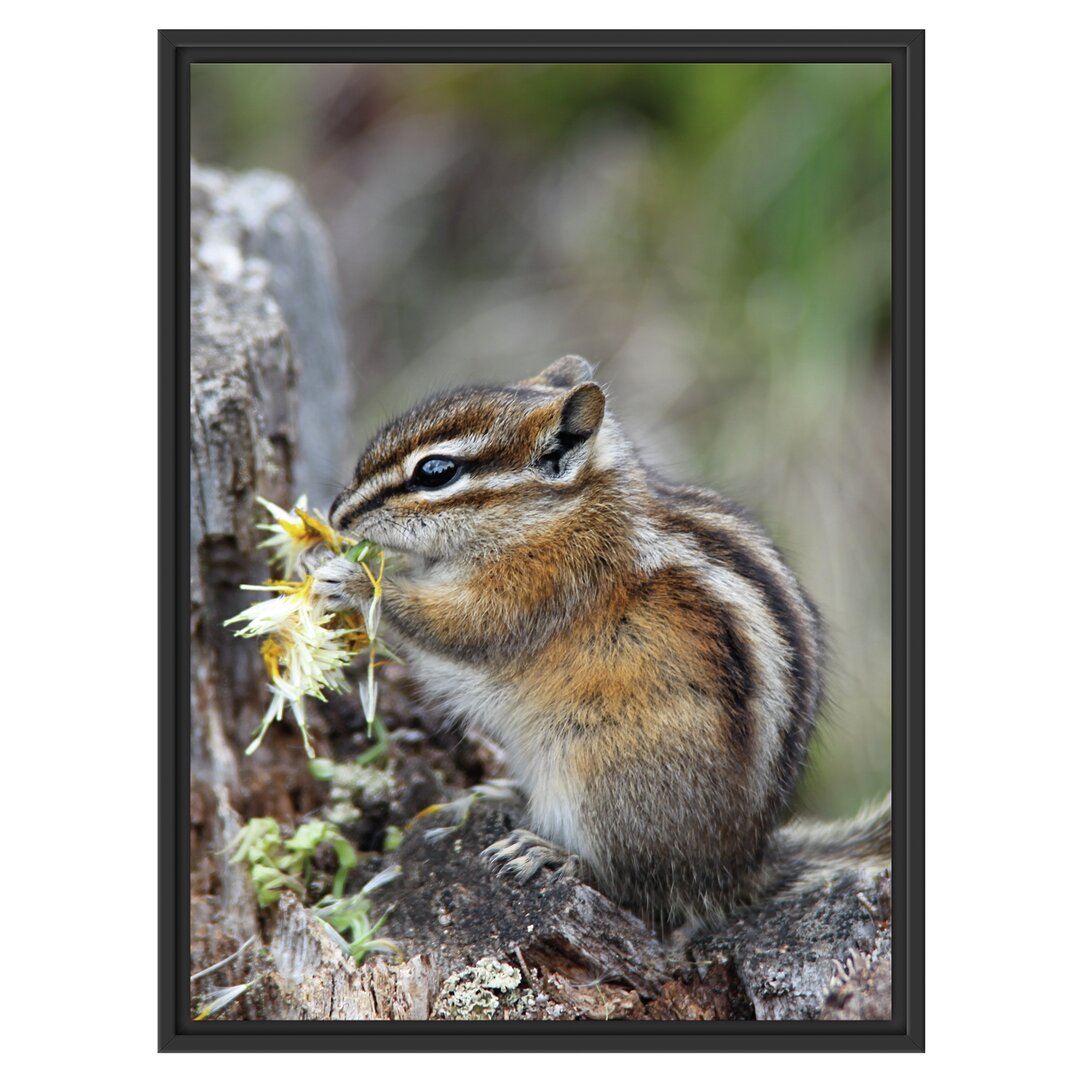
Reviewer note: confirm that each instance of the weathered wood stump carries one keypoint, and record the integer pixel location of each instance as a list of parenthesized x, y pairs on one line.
[(262, 303)]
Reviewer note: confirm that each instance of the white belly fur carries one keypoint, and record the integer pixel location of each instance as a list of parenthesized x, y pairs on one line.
[(538, 763)]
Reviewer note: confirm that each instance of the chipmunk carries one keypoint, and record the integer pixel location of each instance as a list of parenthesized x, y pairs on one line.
[(639, 649)]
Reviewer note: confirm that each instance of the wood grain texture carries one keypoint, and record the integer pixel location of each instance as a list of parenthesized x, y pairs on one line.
[(246, 233)]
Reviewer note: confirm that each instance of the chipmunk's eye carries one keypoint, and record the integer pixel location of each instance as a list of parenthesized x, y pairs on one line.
[(436, 472)]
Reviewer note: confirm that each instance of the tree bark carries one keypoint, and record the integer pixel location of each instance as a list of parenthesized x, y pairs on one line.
[(262, 304)]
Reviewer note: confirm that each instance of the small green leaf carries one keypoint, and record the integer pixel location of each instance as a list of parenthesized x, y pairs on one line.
[(321, 768), (269, 883), (308, 837), (346, 853), (340, 878), (359, 551)]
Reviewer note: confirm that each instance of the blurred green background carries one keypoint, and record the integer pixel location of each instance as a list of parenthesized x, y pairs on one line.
[(715, 237)]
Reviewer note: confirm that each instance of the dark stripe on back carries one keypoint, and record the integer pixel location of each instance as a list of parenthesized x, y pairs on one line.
[(715, 630), (733, 553), (739, 681), (700, 498)]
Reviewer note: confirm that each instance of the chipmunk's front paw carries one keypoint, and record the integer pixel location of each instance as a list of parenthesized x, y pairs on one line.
[(312, 558), (523, 854), (340, 583)]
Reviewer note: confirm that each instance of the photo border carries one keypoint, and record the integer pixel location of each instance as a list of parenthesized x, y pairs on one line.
[(904, 51)]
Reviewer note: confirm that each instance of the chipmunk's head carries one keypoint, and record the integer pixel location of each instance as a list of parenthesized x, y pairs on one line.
[(474, 470)]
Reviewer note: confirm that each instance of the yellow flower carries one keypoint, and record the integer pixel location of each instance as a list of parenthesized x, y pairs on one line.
[(305, 650), (295, 531), (307, 647)]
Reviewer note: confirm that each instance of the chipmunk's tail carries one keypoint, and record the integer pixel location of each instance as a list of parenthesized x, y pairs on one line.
[(803, 853)]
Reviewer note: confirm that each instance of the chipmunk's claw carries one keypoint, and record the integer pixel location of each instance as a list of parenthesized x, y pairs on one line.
[(312, 558), (523, 855), (335, 582)]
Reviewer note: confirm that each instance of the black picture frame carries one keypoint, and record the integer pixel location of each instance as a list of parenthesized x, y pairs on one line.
[(904, 51)]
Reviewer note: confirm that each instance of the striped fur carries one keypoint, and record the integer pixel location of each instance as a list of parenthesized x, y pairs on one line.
[(641, 651)]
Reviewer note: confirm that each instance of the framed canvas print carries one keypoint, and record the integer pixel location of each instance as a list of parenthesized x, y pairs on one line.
[(542, 545)]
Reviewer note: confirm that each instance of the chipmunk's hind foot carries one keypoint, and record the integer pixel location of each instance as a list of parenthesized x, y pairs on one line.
[(523, 855)]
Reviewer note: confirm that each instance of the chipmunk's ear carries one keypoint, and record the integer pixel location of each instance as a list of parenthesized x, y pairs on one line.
[(569, 371), (580, 412)]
